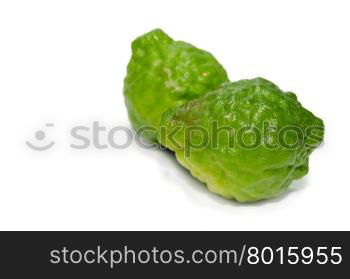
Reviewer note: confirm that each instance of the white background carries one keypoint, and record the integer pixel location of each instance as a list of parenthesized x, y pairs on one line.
[(63, 62)]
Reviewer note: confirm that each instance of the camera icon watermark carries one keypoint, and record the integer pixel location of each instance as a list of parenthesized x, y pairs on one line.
[(40, 142)]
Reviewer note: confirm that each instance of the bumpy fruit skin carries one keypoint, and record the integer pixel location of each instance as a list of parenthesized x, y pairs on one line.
[(243, 170), (163, 73)]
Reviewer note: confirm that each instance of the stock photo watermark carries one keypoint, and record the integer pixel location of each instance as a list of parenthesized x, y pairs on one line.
[(187, 138), (40, 136)]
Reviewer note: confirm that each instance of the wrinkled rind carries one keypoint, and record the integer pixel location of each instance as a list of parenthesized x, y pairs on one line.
[(237, 173), (163, 73)]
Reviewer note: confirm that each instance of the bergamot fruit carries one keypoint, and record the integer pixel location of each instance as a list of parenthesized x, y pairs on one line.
[(163, 73), (247, 140)]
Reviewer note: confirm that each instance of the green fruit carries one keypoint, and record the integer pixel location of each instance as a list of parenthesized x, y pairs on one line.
[(163, 73), (247, 140)]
